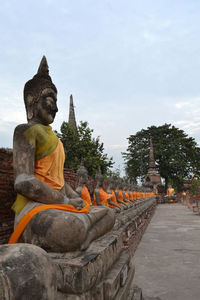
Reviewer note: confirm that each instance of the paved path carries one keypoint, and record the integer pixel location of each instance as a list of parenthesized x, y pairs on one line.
[(167, 259)]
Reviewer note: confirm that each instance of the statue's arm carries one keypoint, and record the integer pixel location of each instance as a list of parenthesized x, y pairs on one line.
[(25, 182), (79, 190), (70, 192), (124, 197), (118, 200), (112, 203)]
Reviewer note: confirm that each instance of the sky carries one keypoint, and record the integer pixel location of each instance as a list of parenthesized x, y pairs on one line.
[(128, 64)]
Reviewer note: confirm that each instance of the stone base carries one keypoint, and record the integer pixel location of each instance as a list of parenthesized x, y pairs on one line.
[(105, 270)]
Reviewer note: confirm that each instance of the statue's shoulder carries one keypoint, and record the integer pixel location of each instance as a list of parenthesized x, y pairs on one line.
[(21, 128), (29, 129)]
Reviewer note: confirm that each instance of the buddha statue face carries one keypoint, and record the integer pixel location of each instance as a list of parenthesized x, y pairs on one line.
[(45, 108), (82, 175), (99, 179)]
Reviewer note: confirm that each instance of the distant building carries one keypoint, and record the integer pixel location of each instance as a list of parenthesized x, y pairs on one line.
[(153, 178), (72, 119)]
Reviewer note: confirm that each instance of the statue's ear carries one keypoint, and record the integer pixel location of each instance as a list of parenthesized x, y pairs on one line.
[(29, 106)]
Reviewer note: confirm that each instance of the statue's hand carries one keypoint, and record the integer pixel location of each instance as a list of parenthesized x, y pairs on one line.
[(77, 203)]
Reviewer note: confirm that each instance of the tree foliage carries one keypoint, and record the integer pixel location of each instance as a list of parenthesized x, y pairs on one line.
[(79, 145), (177, 156)]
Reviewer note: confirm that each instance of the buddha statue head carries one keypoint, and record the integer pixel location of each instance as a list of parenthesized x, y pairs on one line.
[(121, 184), (40, 96), (99, 178), (111, 182), (82, 175)]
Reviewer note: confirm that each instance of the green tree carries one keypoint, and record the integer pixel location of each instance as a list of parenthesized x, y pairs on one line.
[(177, 156), (79, 145)]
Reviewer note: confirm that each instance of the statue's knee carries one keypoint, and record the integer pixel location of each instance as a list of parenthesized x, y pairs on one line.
[(71, 230), (56, 231)]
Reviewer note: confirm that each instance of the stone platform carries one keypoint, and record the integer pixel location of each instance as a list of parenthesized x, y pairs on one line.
[(105, 271)]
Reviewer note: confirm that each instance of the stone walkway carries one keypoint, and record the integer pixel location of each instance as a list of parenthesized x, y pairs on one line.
[(167, 259)]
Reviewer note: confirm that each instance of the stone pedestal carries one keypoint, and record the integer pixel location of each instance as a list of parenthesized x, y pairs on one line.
[(104, 271)]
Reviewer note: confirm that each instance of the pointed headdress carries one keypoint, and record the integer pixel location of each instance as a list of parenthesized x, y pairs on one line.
[(34, 87)]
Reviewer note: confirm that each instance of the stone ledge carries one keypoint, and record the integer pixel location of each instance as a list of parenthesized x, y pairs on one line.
[(83, 270)]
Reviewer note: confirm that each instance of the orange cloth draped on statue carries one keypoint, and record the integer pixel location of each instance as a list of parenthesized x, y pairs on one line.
[(49, 169), (27, 217), (103, 197), (127, 195), (114, 199), (131, 196), (120, 195), (85, 195), (138, 195)]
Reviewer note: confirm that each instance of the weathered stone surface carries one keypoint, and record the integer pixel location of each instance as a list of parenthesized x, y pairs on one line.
[(27, 273), (103, 272), (83, 270), (117, 276)]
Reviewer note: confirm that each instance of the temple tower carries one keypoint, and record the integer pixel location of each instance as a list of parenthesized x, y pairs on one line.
[(152, 178), (72, 119)]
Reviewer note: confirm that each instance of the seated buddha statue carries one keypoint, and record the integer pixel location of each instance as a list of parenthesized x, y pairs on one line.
[(119, 194), (112, 202), (100, 197), (130, 192), (82, 190), (48, 212), (123, 193)]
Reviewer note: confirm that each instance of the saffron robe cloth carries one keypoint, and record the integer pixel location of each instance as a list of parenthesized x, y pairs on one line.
[(134, 195), (48, 169), (103, 197), (85, 195), (126, 195), (131, 196), (49, 160), (120, 195), (114, 199)]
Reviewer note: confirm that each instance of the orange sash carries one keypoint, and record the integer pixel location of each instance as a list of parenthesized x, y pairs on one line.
[(49, 169), (27, 217), (120, 195), (127, 195), (131, 196), (103, 197), (85, 195), (114, 199)]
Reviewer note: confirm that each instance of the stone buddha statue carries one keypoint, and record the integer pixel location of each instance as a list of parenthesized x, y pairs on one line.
[(81, 189), (100, 197), (119, 195), (112, 201), (130, 192), (123, 194), (55, 216)]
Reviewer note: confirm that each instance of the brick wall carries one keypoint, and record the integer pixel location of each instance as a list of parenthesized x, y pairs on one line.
[(7, 195)]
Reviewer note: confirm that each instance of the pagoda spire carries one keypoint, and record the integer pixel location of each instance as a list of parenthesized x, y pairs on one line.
[(72, 119), (152, 164), (152, 178)]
